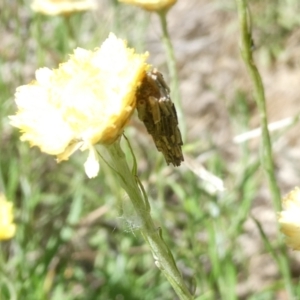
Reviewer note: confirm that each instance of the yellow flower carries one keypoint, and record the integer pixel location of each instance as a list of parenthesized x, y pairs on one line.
[(289, 218), (152, 5), (57, 7), (7, 227), (86, 101)]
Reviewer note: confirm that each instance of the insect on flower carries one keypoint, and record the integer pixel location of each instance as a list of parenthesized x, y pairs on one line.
[(157, 111)]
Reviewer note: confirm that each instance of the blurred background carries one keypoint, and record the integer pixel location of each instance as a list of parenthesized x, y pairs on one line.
[(77, 238)]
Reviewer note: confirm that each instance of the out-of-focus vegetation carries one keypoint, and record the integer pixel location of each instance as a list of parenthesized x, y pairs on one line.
[(75, 237)]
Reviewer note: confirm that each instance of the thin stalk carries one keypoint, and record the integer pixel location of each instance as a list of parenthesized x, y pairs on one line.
[(259, 95), (171, 61), (152, 234), (267, 155), (71, 35)]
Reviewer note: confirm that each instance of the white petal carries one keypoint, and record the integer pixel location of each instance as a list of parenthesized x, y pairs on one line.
[(91, 165), (43, 76)]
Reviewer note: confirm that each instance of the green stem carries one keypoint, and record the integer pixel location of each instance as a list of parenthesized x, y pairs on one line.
[(70, 38), (152, 234), (171, 61), (267, 157), (259, 94)]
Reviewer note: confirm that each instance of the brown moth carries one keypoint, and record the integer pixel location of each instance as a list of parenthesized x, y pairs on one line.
[(156, 109)]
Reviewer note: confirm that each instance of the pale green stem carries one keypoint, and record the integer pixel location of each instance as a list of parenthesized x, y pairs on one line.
[(259, 95), (171, 61), (71, 41), (152, 234)]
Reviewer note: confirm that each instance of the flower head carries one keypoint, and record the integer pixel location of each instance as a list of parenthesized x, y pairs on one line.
[(152, 5), (289, 218), (7, 227), (58, 7), (86, 101)]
